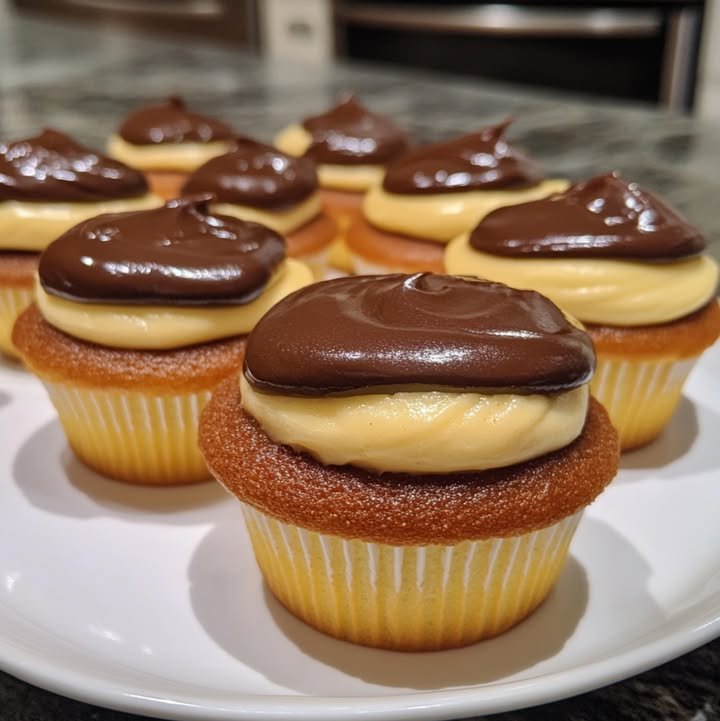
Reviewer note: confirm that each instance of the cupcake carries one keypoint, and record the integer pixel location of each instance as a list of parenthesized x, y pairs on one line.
[(167, 142), (628, 266), (138, 317), (352, 145), (435, 192), (259, 183), (412, 454), (49, 183)]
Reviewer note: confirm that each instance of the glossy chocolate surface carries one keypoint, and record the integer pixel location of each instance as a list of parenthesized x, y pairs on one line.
[(350, 134), (257, 175), (604, 217), (179, 254), (52, 167), (172, 122), (477, 161), (375, 333)]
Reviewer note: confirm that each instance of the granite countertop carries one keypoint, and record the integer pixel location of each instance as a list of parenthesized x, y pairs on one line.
[(83, 79)]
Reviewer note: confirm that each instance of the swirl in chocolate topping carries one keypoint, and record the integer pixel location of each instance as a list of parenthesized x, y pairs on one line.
[(478, 161), (179, 254), (374, 333), (171, 122), (257, 175), (350, 134), (604, 217), (52, 167)]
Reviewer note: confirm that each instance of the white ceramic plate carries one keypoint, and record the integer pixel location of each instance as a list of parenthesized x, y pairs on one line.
[(149, 600)]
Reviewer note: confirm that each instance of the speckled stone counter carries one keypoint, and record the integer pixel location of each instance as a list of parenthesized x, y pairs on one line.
[(83, 79)]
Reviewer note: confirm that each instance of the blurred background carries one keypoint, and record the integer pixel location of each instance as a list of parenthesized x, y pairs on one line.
[(664, 52)]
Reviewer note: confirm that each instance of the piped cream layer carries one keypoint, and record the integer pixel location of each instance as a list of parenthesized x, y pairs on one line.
[(443, 216), (33, 226), (598, 290), (282, 221), (421, 432), (180, 157), (295, 140), (146, 327)]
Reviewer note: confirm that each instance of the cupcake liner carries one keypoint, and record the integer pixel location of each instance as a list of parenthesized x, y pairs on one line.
[(13, 301), (408, 598), (133, 437), (640, 396)]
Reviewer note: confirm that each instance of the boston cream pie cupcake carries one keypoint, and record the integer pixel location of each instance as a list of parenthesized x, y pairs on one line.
[(259, 183), (352, 145), (138, 317), (628, 266), (412, 454), (434, 193), (167, 142), (49, 183)]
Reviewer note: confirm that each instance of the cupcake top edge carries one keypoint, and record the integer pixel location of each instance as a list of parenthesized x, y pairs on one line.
[(476, 161), (256, 175), (171, 122), (351, 134), (52, 167), (178, 254), (603, 217), (377, 334)]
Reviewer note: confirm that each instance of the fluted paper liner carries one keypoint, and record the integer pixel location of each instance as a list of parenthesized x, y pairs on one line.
[(408, 598), (133, 437), (640, 396), (13, 301)]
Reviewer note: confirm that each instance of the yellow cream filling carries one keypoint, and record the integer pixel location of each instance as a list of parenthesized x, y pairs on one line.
[(295, 140), (162, 327), (282, 221), (443, 216), (421, 432), (180, 157), (598, 290), (33, 226)]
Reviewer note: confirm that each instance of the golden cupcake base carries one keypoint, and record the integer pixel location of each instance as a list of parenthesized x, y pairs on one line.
[(408, 598)]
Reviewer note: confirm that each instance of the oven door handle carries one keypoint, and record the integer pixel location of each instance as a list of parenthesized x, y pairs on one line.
[(500, 19), (177, 8)]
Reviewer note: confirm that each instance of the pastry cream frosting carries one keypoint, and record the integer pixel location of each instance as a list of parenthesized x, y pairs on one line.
[(155, 327), (33, 226), (295, 140), (599, 290), (283, 221), (421, 432), (181, 157), (441, 217)]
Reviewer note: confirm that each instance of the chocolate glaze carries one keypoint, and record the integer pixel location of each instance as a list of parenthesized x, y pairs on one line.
[(604, 217), (52, 167), (172, 122), (481, 160), (257, 175), (376, 333), (350, 134), (178, 254)]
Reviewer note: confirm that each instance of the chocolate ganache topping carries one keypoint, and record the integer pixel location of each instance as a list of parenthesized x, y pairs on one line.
[(52, 167), (350, 134), (481, 160), (178, 254), (172, 122), (257, 175), (374, 333), (604, 217)]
